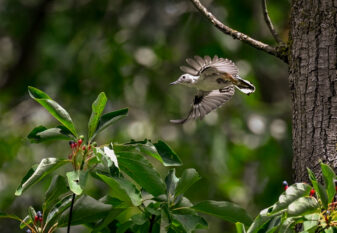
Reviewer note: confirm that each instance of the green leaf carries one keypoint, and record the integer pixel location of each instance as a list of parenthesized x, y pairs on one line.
[(53, 108), (77, 181), (127, 214), (302, 206), (142, 172), (311, 222), (123, 189), (329, 176), (31, 212), (287, 225), (107, 155), (329, 230), (183, 207), (107, 119), (42, 134), (161, 151), (97, 109), (261, 220), (164, 219), (273, 224), (86, 210), (190, 222), (188, 178), (38, 172), (171, 182), (225, 210), (320, 191), (58, 209), (107, 220), (124, 227), (57, 187), (26, 221), (292, 193), (240, 228), (169, 157)]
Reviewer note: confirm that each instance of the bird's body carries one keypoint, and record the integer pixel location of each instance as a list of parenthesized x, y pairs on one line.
[(215, 80)]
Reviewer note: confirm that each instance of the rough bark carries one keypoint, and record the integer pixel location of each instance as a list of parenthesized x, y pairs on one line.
[(313, 84)]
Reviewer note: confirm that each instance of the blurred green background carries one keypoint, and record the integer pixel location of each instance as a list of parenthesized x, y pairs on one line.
[(132, 50)]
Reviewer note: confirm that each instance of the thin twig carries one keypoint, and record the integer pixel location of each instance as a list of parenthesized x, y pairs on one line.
[(71, 212), (239, 35), (151, 222), (269, 23)]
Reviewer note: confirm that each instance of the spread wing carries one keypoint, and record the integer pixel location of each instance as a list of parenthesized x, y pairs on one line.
[(199, 65), (207, 102)]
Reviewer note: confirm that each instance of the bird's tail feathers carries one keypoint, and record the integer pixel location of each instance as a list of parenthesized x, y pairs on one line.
[(244, 85)]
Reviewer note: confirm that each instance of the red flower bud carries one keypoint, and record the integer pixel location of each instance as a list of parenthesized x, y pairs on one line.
[(312, 192), (79, 141), (285, 188), (40, 219), (36, 218), (83, 147)]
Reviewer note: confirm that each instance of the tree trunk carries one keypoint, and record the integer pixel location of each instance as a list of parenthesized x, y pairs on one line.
[(313, 84)]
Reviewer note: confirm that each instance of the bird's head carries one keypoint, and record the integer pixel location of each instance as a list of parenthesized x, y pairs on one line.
[(185, 79)]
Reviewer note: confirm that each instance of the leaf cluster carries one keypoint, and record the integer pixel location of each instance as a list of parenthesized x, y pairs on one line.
[(137, 199)]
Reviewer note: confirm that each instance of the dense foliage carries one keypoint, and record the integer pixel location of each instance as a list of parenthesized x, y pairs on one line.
[(138, 200)]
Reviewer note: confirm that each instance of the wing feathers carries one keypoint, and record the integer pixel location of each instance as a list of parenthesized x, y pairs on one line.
[(199, 64), (209, 102)]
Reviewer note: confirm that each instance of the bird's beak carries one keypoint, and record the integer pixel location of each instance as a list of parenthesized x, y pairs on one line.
[(174, 83)]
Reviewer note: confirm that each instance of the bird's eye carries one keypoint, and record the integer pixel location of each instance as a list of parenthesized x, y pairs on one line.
[(184, 77)]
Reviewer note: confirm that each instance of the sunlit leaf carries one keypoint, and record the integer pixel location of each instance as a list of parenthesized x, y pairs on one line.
[(77, 181), (42, 134), (38, 172), (240, 228), (97, 109), (26, 221), (53, 108), (311, 222), (303, 206), (294, 192)]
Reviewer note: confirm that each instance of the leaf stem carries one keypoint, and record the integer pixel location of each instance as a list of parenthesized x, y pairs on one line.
[(151, 223), (71, 212)]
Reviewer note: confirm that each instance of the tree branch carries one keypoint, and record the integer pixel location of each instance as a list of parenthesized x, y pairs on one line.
[(239, 35), (269, 23)]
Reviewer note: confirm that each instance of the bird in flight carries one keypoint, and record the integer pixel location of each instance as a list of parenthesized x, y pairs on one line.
[(215, 80)]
